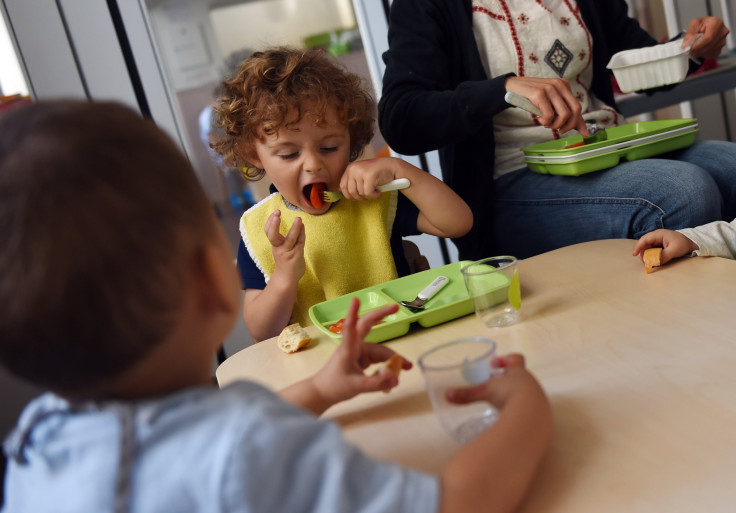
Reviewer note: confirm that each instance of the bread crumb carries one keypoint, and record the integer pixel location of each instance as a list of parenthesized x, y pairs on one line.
[(292, 338)]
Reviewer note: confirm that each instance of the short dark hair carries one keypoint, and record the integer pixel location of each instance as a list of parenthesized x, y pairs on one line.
[(274, 84), (100, 215)]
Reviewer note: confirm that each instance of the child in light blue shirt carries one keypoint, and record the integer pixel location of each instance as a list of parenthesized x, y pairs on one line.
[(119, 287)]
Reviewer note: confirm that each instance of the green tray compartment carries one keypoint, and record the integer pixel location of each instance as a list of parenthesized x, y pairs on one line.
[(615, 135), (451, 302)]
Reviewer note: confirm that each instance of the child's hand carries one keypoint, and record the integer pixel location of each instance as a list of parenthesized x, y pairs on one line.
[(499, 389), (288, 251), (674, 244), (519, 438), (342, 377), (361, 178)]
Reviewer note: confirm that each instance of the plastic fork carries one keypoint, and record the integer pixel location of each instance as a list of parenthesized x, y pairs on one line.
[(393, 185)]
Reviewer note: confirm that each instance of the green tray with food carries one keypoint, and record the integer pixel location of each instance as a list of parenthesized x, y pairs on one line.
[(450, 301), (607, 160), (567, 156), (567, 146)]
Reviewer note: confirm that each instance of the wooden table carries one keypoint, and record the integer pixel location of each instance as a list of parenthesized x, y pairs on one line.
[(640, 370)]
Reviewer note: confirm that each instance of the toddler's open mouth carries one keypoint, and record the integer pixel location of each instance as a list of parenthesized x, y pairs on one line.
[(313, 193)]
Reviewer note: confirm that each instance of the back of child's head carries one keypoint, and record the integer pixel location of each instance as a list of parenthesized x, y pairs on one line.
[(275, 88), (100, 215)]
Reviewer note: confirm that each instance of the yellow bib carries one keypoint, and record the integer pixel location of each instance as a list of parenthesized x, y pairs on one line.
[(346, 249)]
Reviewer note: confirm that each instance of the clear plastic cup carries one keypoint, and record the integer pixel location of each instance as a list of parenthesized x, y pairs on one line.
[(493, 283), (463, 362)]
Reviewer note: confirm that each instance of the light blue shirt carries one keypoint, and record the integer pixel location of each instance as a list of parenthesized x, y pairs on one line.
[(240, 449)]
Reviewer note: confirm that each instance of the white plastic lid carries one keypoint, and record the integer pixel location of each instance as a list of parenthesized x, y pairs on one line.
[(647, 55)]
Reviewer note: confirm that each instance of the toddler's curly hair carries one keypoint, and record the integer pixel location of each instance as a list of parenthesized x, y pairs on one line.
[(272, 89)]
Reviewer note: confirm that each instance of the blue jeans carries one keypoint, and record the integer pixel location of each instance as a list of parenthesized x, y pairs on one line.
[(534, 213)]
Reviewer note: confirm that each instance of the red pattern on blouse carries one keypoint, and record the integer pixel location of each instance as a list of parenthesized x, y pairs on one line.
[(506, 16), (483, 10), (542, 5)]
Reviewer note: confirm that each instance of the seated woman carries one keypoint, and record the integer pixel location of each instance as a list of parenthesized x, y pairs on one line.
[(448, 67)]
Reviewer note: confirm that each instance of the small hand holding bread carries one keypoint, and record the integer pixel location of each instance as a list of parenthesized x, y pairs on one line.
[(293, 338), (651, 258)]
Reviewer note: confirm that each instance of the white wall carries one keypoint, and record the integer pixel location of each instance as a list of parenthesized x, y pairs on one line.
[(11, 76), (256, 25), (187, 42)]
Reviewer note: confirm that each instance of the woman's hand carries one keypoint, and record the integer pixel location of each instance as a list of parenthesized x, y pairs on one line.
[(706, 36), (553, 96)]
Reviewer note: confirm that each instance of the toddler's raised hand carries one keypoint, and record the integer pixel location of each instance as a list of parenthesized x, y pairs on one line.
[(343, 375), (288, 251)]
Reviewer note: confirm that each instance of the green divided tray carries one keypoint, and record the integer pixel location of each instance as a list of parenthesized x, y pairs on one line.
[(451, 302), (629, 142)]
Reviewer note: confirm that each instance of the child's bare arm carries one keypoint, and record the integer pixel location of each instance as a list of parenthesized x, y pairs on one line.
[(493, 472), (266, 312), (342, 377), (674, 244), (441, 211)]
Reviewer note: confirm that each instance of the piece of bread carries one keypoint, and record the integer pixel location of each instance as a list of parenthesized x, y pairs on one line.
[(390, 366), (293, 338), (651, 258)]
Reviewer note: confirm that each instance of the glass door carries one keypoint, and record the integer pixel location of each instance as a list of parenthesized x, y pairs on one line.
[(165, 58), (198, 43)]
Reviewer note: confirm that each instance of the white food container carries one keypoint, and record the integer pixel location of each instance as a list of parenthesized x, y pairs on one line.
[(653, 66)]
